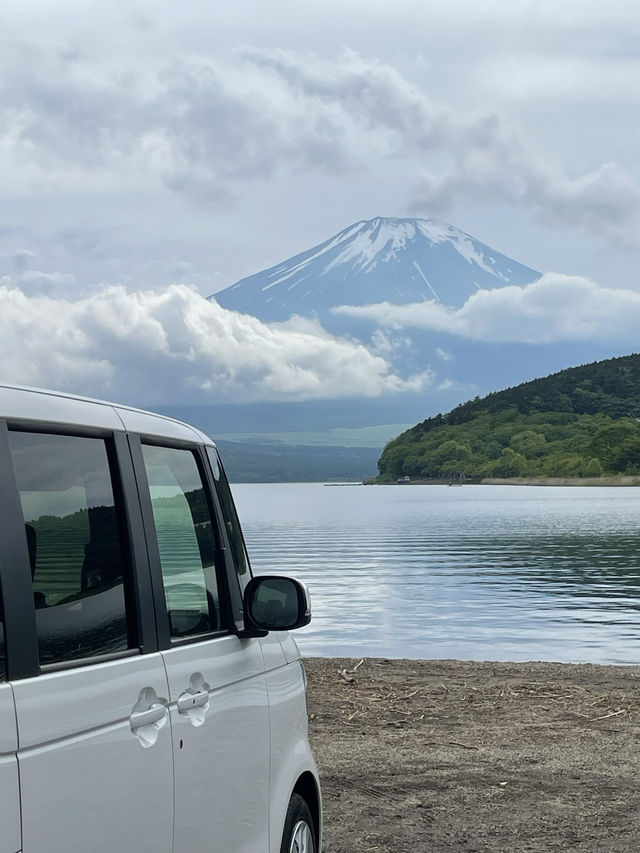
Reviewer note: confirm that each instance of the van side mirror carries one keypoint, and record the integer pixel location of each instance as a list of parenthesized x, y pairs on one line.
[(275, 603)]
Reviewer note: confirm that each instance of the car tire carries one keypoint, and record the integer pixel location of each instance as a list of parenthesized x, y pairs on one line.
[(299, 834)]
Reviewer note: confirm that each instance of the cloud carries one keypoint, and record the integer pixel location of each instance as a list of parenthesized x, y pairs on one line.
[(561, 76), (500, 169), (443, 354), (553, 309), (174, 345), (21, 259), (209, 129), (55, 284), (388, 346)]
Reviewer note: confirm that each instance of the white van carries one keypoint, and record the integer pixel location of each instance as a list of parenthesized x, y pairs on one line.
[(151, 699)]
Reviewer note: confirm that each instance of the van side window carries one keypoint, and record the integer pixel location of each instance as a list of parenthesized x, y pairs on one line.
[(234, 531), (74, 543), (186, 540)]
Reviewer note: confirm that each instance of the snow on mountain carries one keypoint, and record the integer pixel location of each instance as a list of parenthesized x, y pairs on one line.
[(377, 260), (401, 261)]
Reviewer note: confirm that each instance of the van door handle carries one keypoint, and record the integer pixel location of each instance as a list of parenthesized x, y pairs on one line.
[(148, 717), (192, 700)]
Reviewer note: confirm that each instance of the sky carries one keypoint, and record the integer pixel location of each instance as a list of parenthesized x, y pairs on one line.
[(154, 153)]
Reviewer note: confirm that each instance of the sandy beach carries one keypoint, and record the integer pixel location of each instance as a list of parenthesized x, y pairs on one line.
[(433, 756)]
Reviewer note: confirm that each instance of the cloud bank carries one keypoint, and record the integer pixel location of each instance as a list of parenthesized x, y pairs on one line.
[(555, 308), (173, 345), (209, 129)]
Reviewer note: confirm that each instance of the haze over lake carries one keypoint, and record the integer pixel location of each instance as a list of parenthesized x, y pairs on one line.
[(474, 572)]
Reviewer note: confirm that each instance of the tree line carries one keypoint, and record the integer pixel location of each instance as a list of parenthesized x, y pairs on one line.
[(580, 422)]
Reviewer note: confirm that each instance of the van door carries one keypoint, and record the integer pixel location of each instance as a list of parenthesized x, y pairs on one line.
[(9, 790), (217, 689), (95, 757)]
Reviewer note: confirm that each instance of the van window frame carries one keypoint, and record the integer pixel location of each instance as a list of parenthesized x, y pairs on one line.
[(21, 640), (227, 615), (237, 599)]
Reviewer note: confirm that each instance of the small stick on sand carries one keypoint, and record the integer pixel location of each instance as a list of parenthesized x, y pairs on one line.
[(606, 716)]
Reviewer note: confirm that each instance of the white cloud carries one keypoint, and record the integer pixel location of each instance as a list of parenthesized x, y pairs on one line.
[(561, 76), (153, 121), (388, 346), (174, 345), (496, 167), (37, 283), (443, 354), (21, 258), (555, 308), (209, 129)]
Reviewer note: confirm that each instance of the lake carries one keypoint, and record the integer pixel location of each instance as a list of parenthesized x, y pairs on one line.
[(471, 572)]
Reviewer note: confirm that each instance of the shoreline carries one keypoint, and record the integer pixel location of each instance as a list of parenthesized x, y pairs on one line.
[(615, 481), (476, 757)]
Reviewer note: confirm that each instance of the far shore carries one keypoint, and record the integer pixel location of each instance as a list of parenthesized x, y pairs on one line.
[(621, 480)]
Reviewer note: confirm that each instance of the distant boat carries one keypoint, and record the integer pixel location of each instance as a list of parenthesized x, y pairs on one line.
[(453, 483)]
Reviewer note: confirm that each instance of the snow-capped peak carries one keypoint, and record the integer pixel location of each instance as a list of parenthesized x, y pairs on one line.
[(384, 259), (376, 239), (380, 240)]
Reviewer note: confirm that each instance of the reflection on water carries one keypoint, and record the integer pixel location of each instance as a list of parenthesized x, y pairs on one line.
[(479, 572)]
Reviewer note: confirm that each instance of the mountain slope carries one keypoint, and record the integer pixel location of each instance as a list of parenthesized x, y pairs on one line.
[(377, 260), (404, 261), (607, 387), (582, 421)]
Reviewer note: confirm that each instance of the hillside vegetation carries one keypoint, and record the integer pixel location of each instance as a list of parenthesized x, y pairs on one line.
[(581, 422)]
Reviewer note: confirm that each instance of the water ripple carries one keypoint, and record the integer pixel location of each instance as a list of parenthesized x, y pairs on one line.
[(503, 573)]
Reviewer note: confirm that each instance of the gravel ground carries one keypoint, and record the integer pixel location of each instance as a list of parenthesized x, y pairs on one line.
[(440, 756)]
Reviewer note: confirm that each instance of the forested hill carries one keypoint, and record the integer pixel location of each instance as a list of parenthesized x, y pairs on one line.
[(576, 423)]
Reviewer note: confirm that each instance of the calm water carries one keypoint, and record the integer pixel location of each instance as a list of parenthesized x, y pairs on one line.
[(477, 572)]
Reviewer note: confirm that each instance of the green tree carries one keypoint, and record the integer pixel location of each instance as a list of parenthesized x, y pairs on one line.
[(529, 442), (578, 422), (625, 458), (510, 464), (608, 440), (593, 468), (411, 465)]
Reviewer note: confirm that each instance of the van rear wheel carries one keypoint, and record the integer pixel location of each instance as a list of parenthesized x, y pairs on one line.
[(299, 833)]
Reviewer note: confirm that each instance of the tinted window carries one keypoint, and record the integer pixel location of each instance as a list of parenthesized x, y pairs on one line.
[(234, 531), (73, 539), (186, 540)]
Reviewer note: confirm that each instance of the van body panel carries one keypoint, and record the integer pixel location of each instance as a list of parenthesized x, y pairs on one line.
[(203, 437), (8, 732), (221, 747), (290, 751), (291, 754), (289, 646), (9, 787), (21, 404), (89, 781), (146, 423), (33, 404), (272, 651)]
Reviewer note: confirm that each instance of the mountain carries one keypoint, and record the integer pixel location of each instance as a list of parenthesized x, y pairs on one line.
[(376, 260), (402, 261), (397, 261), (580, 422)]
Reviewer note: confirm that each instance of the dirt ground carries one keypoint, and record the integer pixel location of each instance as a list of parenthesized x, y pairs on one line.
[(435, 756)]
